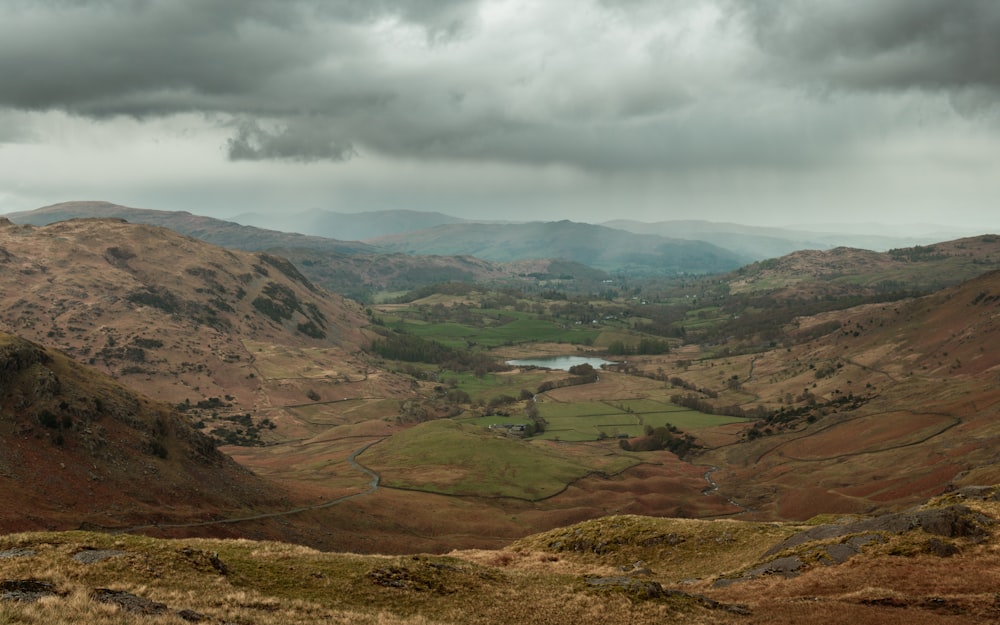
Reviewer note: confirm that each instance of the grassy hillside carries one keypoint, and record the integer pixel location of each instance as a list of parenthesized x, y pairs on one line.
[(934, 564), (841, 271), (78, 449)]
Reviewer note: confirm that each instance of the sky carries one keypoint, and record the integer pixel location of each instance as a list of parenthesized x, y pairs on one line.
[(766, 112)]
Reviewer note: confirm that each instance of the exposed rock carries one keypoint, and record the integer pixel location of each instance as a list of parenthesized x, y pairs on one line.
[(951, 522), (191, 616), (647, 590), (10, 554), (26, 590), (90, 556), (128, 602)]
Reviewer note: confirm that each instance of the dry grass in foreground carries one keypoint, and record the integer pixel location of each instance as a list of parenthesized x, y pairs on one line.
[(938, 564)]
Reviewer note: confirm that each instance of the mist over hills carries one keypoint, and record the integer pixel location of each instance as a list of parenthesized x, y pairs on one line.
[(604, 248), (208, 229), (348, 267), (760, 243), (348, 226), (409, 249)]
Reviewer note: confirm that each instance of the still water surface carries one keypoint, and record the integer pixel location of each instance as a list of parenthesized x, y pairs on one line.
[(559, 362)]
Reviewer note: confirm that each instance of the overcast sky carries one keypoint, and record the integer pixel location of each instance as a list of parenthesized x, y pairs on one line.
[(769, 112)]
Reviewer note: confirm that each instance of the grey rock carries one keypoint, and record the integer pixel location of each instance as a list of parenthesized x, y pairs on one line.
[(91, 556)]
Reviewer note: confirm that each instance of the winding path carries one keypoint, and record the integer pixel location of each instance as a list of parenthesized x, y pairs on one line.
[(373, 485)]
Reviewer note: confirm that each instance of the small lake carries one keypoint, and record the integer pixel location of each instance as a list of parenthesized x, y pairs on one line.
[(559, 362)]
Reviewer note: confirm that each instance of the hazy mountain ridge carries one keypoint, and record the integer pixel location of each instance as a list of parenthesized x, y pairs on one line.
[(351, 268), (208, 229), (759, 243), (597, 246), (348, 226)]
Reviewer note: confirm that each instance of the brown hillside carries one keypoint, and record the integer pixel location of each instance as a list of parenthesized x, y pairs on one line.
[(902, 401), (849, 271), (176, 318), (347, 267), (77, 449)]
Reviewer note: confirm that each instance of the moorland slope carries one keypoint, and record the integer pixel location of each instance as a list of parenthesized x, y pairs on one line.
[(179, 319), (877, 406), (350, 268), (933, 564), (76, 448), (845, 271)]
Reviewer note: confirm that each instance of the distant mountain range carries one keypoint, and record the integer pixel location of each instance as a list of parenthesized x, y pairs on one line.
[(751, 242), (407, 249), (348, 226), (348, 267), (208, 229), (597, 246)]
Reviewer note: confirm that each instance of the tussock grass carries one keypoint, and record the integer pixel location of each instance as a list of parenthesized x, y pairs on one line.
[(278, 584), (674, 549)]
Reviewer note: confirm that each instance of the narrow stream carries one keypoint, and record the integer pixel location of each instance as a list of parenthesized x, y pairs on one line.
[(713, 488)]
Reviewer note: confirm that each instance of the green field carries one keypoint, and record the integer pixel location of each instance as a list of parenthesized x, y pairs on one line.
[(467, 459), (585, 421), (493, 384), (525, 328)]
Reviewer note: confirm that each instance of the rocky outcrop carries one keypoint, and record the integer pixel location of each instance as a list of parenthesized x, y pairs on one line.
[(837, 542)]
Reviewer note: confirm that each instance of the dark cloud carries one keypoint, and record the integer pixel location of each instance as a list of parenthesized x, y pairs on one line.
[(248, 59), (301, 140), (884, 45), (600, 86)]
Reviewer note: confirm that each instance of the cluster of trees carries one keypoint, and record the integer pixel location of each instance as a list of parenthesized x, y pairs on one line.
[(703, 405), (645, 347), (580, 374), (410, 348), (682, 383), (789, 417), (763, 319), (664, 437)]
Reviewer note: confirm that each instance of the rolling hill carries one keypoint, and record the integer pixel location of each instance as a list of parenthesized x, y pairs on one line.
[(868, 408), (76, 448), (936, 563), (179, 319), (849, 271), (350, 268), (348, 226), (597, 246)]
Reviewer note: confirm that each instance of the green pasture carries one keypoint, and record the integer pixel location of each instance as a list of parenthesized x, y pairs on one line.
[(585, 421), (522, 330), (465, 459), (349, 411), (493, 384)]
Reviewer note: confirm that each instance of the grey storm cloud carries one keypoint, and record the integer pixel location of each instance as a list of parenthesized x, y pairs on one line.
[(890, 44), (297, 141), (311, 80)]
